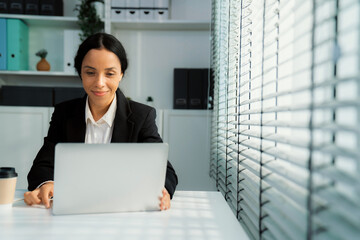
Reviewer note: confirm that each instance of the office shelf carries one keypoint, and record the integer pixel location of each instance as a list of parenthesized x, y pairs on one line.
[(37, 73), (160, 25), (45, 21)]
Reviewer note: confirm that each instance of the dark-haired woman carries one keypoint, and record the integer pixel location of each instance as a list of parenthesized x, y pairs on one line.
[(104, 115)]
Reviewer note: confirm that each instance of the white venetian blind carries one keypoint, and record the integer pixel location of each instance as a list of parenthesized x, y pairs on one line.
[(285, 132)]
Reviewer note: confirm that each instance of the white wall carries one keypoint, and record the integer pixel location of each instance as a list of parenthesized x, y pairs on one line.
[(191, 9), (153, 58), (188, 134)]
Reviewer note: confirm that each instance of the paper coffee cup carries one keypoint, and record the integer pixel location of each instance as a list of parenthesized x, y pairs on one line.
[(8, 178)]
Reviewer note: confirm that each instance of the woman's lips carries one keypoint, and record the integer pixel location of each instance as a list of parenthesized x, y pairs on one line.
[(99, 93)]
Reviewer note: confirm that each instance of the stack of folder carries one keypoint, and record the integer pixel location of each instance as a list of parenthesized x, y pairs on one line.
[(14, 45), (33, 7), (147, 10), (37, 96), (193, 89)]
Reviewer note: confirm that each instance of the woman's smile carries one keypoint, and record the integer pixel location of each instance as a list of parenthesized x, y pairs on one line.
[(99, 93)]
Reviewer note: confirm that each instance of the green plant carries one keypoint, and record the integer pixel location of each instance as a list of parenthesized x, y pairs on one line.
[(42, 53), (88, 20)]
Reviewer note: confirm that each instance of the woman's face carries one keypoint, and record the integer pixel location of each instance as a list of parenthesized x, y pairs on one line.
[(101, 74)]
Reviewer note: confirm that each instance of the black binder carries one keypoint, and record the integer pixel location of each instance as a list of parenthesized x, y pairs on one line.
[(209, 79), (16, 6), (180, 89), (62, 94), (52, 7), (4, 6), (205, 88), (38, 96), (27, 96), (32, 7), (195, 90)]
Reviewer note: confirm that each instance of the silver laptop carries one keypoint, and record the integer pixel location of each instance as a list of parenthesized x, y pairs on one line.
[(101, 178)]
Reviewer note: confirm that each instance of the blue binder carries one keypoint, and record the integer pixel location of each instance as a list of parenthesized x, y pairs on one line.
[(17, 45), (3, 65)]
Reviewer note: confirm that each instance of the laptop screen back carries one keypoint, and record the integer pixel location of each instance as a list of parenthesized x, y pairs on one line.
[(116, 177)]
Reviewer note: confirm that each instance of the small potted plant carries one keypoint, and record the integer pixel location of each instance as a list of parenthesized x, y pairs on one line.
[(88, 19), (42, 65)]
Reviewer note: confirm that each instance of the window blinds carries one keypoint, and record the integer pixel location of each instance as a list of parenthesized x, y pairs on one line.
[(285, 129)]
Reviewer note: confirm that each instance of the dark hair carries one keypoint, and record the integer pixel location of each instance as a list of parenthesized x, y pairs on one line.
[(97, 41)]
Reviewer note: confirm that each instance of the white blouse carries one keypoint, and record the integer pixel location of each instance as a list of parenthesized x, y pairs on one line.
[(99, 131)]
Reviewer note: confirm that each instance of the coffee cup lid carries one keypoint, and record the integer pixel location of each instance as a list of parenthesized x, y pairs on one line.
[(7, 172)]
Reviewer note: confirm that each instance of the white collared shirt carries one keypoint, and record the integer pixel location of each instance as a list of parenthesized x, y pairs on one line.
[(99, 131)]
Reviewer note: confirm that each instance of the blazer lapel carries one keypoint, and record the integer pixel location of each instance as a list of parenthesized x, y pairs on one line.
[(76, 125), (123, 126)]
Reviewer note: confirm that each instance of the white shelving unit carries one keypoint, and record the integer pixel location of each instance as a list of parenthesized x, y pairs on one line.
[(154, 48), (44, 32)]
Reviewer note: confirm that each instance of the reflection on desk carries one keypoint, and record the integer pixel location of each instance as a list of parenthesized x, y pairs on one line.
[(193, 215)]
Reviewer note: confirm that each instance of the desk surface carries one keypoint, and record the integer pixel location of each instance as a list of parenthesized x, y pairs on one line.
[(193, 215)]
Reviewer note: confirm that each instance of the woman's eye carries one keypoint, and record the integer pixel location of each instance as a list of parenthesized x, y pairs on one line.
[(110, 74), (90, 73)]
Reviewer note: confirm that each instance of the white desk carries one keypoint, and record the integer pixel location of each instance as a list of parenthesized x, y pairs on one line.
[(193, 215)]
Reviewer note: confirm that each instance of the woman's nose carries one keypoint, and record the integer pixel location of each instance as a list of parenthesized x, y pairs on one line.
[(100, 80)]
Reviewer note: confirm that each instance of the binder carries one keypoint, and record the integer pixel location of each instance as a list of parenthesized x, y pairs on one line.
[(147, 4), (133, 4), (161, 4), (193, 89), (71, 45), (147, 14), (205, 88), (27, 96), (195, 81), (4, 6), (32, 7), (132, 14), (62, 94), (118, 3), (161, 14), (16, 6), (180, 88), (17, 45), (118, 13), (51, 7), (210, 101), (3, 52)]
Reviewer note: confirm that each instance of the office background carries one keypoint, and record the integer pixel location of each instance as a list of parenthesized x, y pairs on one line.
[(282, 142), (155, 48)]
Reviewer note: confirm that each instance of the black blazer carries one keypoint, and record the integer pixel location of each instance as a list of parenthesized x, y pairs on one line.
[(134, 122)]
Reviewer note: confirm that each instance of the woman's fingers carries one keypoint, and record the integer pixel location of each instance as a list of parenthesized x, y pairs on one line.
[(40, 195), (46, 192), (31, 198), (165, 200)]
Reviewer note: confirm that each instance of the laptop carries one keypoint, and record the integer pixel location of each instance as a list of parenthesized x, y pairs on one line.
[(103, 178)]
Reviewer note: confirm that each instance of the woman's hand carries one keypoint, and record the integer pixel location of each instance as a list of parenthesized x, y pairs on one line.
[(165, 200), (40, 195)]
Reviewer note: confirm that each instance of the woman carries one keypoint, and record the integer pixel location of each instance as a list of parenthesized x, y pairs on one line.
[(103, 116)]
